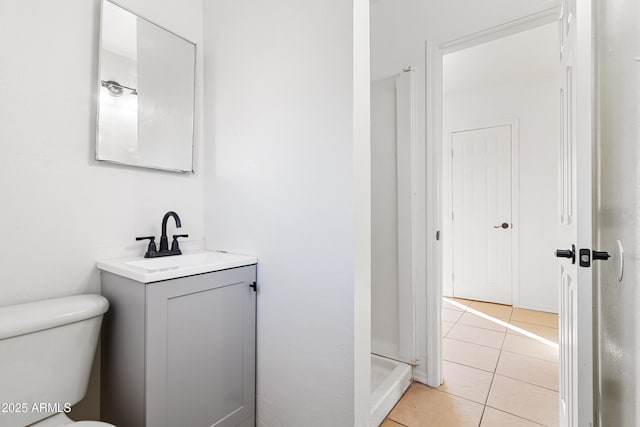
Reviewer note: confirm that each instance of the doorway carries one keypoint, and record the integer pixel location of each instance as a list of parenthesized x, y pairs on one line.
[(500, 134), (503, 226), (575, 95)]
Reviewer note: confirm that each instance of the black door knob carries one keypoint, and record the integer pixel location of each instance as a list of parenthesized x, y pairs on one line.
[(503, 225), (601, 255), (567, 253)]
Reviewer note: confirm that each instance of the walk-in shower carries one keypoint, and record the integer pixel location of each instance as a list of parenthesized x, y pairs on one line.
[(392, 290)]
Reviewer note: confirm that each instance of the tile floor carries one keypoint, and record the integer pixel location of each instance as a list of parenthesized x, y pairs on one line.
[(494, 375)]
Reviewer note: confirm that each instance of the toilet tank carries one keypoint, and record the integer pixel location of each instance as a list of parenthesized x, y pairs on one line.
[(46, 354)]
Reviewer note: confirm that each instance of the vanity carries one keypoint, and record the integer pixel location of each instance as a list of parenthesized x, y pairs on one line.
[(178, 343)]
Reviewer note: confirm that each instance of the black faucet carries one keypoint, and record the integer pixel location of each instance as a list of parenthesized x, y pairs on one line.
[(164, 250), (164, 243)]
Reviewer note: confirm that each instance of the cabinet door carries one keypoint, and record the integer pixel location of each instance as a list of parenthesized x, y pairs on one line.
[(200, 367)]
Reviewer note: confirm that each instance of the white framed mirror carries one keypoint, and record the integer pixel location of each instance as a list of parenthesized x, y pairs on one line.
[(146, 93)]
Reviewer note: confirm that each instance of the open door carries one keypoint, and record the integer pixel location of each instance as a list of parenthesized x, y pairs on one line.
[(575, 216)]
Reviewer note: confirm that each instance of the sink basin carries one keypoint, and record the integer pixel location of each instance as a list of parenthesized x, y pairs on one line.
[(148, 270)]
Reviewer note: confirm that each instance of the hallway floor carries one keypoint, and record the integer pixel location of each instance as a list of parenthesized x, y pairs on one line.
[(500, 369)]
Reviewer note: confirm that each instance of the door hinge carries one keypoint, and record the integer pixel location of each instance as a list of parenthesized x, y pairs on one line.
[(452, 216), (452, 154), (253, 286)]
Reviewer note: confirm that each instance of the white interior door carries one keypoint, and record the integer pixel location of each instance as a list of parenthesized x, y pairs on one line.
[(575, 217), (481, 187), (392, 287)]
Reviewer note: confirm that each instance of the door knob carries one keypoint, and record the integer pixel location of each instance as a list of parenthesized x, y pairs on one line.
[(601, 255), (503, 225), (567, 253), (586, 254)]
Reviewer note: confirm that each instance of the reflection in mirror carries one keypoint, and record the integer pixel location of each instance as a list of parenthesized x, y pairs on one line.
[(146, 98)]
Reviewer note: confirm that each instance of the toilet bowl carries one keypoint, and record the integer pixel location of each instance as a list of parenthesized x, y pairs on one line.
[(61, 420), (46, 354), (89, 424)]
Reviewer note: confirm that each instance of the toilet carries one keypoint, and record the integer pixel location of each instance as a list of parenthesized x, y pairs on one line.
[(46, 354)]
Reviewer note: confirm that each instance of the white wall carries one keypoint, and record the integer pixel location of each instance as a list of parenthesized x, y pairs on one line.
[(280, 183), (61, 209), (617, 214), (399, 32), (529, 98)]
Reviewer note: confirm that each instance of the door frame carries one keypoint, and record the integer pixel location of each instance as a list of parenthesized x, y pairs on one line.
[(434, 52), (447, 222)]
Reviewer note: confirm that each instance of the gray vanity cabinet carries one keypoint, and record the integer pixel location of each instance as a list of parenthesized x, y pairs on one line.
[(180, 352)]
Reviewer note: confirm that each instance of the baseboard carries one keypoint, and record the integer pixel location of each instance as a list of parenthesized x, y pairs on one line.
[(546, 309), (420, 377)]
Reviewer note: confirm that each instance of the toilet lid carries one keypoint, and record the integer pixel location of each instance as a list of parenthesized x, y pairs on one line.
[(90, 424)]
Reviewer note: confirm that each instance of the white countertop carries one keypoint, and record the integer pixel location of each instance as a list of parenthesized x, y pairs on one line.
[(147, 270)]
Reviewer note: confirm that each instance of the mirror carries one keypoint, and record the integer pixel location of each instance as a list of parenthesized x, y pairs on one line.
[(146, 93)]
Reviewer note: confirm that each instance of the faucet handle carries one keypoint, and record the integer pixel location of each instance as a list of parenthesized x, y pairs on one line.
[(175, 247), (151, 249)]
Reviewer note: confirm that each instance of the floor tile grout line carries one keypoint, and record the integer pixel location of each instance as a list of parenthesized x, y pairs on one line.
[(551, 340), (515, 415), (493, 377), (532, 324), (527, 382), (484, 329), (396, 405), (530, 357), (509, 321), (469, 342), (533, 357), (468, 366), (451, 394), (480, 327), (454, 324), (397, 422)]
